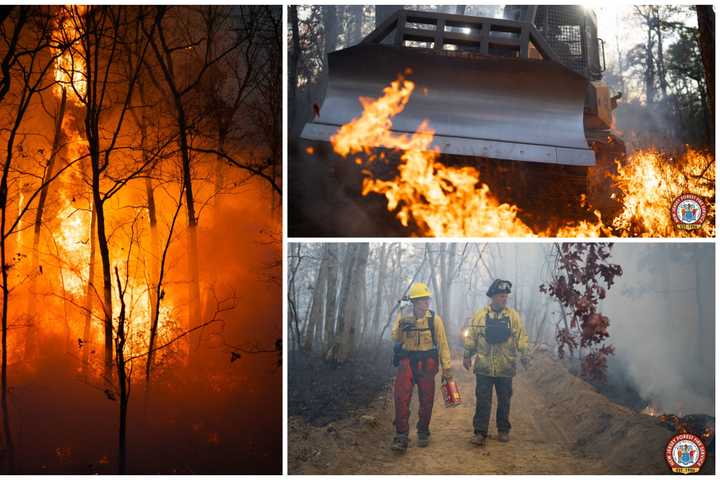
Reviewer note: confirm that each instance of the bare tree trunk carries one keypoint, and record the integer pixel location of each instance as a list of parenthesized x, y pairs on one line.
[(382, 266), (294, 59), (352, 306), (706, 41), (165, 61), (660, 55), (649, 67), (158, 296), (318, 300), (331, 27), (348, 263), (89, 293), (331, 295), (123, 385), (357, 16)]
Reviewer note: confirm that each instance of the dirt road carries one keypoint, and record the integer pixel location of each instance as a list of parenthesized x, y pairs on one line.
[(561, 425), (360, 444)]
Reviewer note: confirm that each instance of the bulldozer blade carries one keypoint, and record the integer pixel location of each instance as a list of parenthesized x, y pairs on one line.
[(478, 106)]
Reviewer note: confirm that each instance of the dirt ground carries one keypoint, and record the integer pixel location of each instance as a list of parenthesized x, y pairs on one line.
[(561, 425)]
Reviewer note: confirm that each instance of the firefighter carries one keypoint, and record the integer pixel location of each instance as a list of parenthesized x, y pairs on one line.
[(420, 345), (495, 338)]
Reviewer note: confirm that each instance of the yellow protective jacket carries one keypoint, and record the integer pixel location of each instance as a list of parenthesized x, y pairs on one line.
[(499, 360), (421, 340)]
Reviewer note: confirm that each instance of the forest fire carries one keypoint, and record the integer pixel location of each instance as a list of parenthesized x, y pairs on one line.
[(702, 426), (650, 181), (111, 282), (453, 201)]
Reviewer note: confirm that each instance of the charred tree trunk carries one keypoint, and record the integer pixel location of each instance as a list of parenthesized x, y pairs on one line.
[(90, 293), (7, 437), (123, 380), (99, 208), (157, 296)]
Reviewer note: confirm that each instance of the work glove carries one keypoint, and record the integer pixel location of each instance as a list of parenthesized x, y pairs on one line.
[(447, 374), (525, 360), (467, 362)]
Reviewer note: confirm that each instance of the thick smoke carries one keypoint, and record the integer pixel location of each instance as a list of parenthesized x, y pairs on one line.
[(662, 314)]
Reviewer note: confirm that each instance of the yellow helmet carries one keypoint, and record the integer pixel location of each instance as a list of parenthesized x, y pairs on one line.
[(419, 290)]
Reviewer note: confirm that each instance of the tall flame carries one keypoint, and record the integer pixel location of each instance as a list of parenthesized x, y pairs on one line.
[(453, 201), (71, 233), (69, 65)]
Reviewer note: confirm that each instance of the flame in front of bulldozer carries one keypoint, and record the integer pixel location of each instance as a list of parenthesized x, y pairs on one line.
[(440, 200), (650, 181)]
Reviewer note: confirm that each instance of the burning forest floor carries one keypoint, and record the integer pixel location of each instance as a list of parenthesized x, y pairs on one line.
[(561, 425), (373, 181)]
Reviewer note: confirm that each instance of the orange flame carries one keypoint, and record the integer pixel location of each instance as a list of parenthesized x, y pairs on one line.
[(72, 235), (69, 65), (440, 200), (651, 181), (453, 201)]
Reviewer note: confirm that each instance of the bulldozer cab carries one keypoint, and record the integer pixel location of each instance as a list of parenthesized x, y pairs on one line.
[(510, 88)]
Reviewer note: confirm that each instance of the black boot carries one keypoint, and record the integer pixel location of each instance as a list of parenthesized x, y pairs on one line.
[(400, 442), (423, 439), (479, 439)]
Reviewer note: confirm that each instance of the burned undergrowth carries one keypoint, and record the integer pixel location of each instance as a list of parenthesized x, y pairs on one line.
[(322, 392)]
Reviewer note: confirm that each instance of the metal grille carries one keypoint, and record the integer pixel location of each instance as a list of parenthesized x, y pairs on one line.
[(563, 26)]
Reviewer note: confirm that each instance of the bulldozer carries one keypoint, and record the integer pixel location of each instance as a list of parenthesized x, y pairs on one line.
[(520, 98)]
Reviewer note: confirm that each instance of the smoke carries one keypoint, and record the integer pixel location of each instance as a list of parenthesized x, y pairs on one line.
[(662, 314)]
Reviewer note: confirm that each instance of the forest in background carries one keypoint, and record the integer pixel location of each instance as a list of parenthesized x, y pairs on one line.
[(632, 320)]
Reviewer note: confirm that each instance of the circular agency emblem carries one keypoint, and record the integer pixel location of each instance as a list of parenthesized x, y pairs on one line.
[(685, 453), (688, 211)]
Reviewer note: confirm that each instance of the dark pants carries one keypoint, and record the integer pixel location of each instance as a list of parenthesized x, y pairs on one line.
[(422, 373), (483, 402)]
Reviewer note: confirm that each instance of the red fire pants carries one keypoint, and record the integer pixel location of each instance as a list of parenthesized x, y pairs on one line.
[(424, 376)]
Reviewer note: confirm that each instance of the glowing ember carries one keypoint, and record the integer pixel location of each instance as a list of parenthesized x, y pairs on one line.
[(452, 201)]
